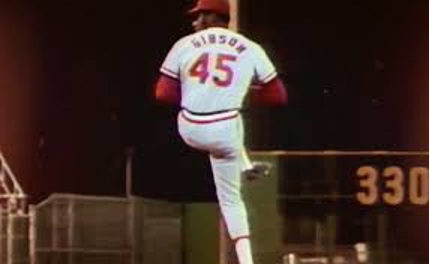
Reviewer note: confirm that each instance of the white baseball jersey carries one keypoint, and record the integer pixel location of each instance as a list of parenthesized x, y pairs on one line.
[(216, 67)]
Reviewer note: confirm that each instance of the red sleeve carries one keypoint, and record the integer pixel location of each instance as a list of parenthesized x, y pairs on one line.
[(272, 93), (168, 90)]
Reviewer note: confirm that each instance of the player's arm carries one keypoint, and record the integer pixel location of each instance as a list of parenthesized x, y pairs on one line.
[(267, 87), (168, 90), (168, 87), (273, 92)]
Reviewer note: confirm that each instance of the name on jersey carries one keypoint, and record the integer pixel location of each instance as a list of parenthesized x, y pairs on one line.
[(211, 39)]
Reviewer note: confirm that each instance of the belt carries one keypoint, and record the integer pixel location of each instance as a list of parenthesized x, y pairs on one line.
[(210, 113), (205, 118)]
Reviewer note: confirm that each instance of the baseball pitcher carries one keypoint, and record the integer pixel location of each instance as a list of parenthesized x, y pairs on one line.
[(209, 73)]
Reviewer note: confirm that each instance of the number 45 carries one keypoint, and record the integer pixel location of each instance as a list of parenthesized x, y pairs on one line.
[(200, 69)]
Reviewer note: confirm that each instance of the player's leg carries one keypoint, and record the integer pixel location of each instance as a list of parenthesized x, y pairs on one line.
[(251, 170), (227, 179), (221, 140), (245, 161), (227, 170)]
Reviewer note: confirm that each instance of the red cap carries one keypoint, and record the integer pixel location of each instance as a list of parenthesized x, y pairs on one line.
[(221, 7)]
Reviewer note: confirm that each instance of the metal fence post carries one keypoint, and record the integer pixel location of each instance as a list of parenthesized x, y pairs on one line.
[(32, 234), (131, 229), (382, 237), (9, 237), (1, 234), (70, 230)]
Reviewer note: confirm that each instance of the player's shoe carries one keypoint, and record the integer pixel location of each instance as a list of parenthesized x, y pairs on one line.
[(259, 170)]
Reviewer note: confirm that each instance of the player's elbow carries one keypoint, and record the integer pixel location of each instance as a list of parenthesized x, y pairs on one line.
[(278, 97), (277, 100), (166, 97), (167, 90), (271, 93), (161, 95)]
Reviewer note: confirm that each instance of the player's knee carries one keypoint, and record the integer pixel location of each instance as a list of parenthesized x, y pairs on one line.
[(233, 201), (226, 153)]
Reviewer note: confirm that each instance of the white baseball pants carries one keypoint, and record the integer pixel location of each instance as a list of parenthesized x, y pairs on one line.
[(222, 135)]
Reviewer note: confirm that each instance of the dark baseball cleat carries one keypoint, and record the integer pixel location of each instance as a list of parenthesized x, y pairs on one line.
[(259, 170)]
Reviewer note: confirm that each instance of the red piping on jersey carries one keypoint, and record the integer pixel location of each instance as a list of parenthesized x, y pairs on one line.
[(269, 77), (209, 121), (169, 72)]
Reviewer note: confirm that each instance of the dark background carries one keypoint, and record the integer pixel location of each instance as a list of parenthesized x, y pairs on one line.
[(76, 80)]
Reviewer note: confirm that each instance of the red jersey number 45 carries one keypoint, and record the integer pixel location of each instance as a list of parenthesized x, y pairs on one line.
[(200, 69)]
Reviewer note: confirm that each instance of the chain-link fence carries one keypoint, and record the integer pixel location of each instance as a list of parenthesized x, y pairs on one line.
[(14, 222), (76, 229), (14, 238)]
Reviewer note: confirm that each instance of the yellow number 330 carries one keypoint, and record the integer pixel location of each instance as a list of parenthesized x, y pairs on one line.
[(393, 188)]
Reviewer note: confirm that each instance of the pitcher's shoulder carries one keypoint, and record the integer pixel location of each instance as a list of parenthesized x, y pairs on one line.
[(250, 41), (184, 39)]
